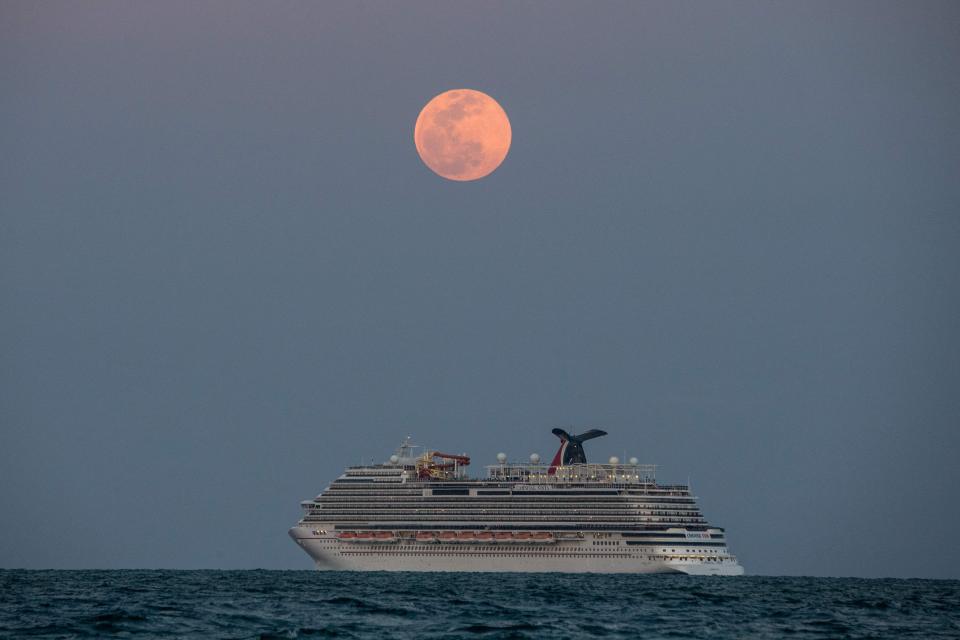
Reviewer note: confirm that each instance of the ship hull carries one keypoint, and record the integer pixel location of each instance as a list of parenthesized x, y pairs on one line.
[(331, 554)]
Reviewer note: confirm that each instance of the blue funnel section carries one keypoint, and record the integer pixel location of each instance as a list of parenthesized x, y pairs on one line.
[(571, 447)]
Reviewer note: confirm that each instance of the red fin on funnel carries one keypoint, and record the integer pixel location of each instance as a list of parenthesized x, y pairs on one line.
[(557, 459)]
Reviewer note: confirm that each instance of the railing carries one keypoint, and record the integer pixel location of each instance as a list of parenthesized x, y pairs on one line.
[(578, 473), (557, 521), (512, 512)]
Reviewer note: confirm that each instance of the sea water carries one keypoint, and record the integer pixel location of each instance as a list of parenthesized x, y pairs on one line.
[(293, 604)]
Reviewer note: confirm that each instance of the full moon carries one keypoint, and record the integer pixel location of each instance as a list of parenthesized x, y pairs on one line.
[(462, 134)]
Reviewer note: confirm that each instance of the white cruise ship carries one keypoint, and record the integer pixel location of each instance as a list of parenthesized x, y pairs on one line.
[(422, 513)]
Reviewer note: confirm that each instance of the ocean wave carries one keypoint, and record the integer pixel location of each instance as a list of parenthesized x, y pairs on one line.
[(301, 604)]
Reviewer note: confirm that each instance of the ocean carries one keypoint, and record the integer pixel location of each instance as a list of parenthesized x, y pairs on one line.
[(294, 604)]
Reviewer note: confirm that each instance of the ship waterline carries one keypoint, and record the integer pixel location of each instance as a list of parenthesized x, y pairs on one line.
[(422, 513)]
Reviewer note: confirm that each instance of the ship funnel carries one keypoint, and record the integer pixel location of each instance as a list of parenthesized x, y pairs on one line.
[(571, 448)]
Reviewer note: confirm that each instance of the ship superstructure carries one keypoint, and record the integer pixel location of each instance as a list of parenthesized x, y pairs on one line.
[(422, 513)]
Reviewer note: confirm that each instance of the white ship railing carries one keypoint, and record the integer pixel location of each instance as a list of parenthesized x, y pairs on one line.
[(579, 473)]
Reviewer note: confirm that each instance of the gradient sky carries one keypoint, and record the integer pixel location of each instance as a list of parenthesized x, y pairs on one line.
[(727, 233)]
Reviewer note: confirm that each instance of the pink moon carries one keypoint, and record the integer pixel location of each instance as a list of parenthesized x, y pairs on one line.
[(462, 134)]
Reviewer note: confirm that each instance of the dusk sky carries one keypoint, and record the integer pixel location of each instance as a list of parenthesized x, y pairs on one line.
[(726, 233)]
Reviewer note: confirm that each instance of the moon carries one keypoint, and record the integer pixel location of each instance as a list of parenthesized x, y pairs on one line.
[(462, 134)]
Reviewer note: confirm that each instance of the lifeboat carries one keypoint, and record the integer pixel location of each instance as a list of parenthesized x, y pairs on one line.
[(544, 537), (346, 535), (384, 536), (363, 536), (503, 536), (523, 536), (466, 536), (426, 536), (485, 536), (447, 536)]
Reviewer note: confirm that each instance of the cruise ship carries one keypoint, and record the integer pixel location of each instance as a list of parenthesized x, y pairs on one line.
[(419, 511)]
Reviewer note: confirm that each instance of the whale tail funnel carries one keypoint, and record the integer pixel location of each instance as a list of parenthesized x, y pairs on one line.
[(571, 448)]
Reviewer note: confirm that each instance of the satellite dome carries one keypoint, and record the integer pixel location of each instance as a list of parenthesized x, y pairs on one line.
[(535, 458), (614, 460), (501, 457), (394, 459), (634, 460)]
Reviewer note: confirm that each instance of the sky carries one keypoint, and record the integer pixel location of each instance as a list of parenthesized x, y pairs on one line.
[(726, 233)]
